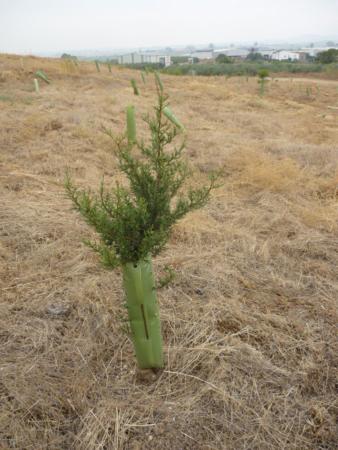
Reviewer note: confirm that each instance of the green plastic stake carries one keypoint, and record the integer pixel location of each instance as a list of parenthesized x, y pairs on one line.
[(173, 119), (36, 86), (134, 86), (143, 78), (109, 67), (143, 312), (131, 125), (40, 74), (158, 82), (97, 66)]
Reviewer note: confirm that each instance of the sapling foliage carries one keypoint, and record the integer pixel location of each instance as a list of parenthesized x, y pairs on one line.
[(133, 223), (262, 76)]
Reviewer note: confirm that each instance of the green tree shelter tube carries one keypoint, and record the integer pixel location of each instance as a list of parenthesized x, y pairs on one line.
[(143, 312)]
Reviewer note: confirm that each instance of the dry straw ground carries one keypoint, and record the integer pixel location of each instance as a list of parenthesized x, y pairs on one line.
[(248, 322)]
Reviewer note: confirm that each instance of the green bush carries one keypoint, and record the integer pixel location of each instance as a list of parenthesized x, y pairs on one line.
[(263, 73), (148, 67), (328, 56), (332, 69), (254, 56), (179, 59), (223, 59), (68, 56), (244, 68)]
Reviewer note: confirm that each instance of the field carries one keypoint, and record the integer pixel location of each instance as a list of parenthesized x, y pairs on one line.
[(249, 321)]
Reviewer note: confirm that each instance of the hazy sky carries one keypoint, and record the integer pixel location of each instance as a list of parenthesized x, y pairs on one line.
[(45, 25)]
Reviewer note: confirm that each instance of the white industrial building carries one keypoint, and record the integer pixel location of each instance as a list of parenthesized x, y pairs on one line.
[(313, 51), (202, 54), (267, 54), (286, 55), (139, 58), (237, 53), (213, 53)]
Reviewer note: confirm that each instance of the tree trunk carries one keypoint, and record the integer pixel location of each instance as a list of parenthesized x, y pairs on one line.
[(143, 311)]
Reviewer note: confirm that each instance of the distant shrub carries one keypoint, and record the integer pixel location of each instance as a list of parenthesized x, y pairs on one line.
[(254, 56), (179, 59), (262, 75), (148, 67), (178, 70), (245, 68), (223, 59), (328, 56), (68, 56), (332, 70)]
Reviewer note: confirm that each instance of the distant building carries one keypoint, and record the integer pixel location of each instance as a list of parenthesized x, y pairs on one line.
[(285, 55), (313, 51), (303, 55), (237, 53), (213, 53), (202, 54), (267, 54), (139, 58)]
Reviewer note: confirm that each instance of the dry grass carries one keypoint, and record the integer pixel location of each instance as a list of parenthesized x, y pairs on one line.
[(249, 323)]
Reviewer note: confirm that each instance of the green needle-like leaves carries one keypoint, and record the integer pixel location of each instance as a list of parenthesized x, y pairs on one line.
[(135, 222)]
